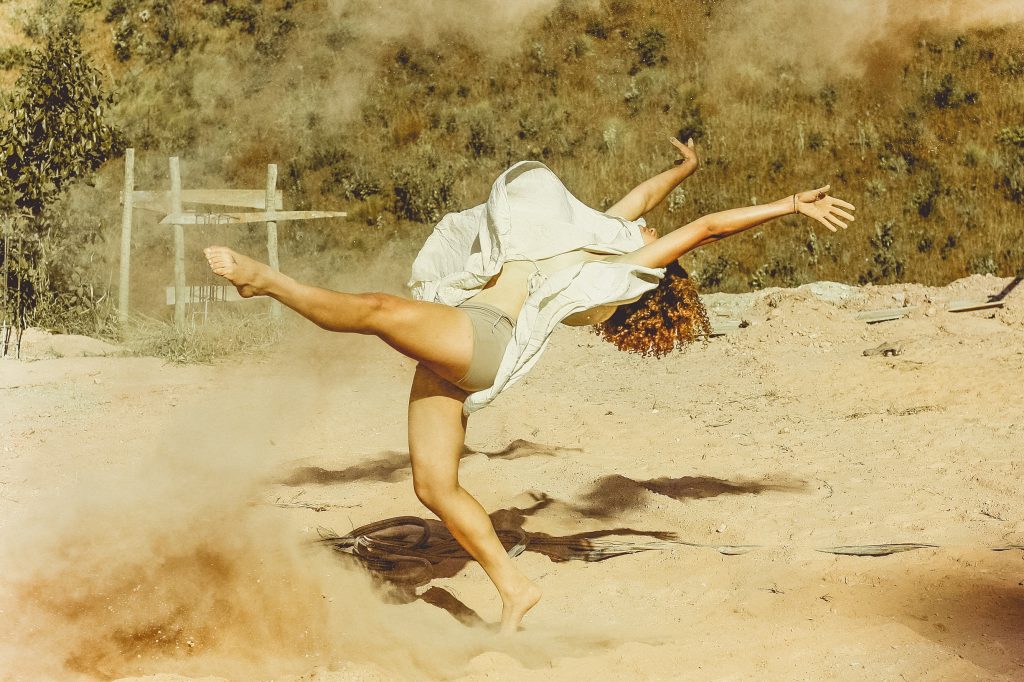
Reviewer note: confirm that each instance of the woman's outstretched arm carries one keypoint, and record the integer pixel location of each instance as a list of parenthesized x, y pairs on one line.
[(649, 193), (815, 203)]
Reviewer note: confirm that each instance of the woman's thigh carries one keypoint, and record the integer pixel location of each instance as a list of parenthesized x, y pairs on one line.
[(439, 336)]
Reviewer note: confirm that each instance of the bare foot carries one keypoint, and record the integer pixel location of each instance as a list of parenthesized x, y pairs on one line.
[(516, 604), (250, 277)]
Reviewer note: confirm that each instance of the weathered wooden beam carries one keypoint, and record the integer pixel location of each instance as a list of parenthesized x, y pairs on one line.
[(272, 257), (179, 244), (182, 218), (964, 306), (243, 198), (126, 235), (884, 315)]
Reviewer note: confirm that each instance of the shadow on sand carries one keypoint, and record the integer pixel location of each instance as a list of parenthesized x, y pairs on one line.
[(411, 552), (417, 551), (392, 466), (612, 495)]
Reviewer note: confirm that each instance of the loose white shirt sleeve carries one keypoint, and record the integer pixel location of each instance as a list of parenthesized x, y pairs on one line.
[(530, 215)]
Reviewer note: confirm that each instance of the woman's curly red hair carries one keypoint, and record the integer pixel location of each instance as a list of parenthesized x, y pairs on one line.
[(669, 316)]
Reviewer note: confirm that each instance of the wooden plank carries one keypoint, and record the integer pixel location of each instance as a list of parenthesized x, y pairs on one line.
[(182, 218), (205, 293), (126, 235), (273, 261), (964, 306), (243, 198), (723, 327), (179, 244), (875, 550), (884, 315)]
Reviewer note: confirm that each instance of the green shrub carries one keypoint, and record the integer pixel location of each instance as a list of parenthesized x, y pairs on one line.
[(481, 140), (422, 188), (949, 94), (929, 187), (982, 264), (122, 39), (650, 48), (117, 10), (712, 273), (951, 242), (1012, 182), (886, 265), (596, 29), (774, 273), (246, 17), (14, 57), (1011, 137)]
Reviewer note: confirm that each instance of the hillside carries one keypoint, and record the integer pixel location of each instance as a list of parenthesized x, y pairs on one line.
[(400, 117)]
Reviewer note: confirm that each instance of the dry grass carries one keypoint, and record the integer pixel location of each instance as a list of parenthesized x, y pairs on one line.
[(221, 336)]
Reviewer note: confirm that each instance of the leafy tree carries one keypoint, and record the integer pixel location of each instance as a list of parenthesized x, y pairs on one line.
[(52, 131)]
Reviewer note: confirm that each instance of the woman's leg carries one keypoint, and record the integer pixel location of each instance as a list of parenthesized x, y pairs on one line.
[(437, 433), (439, 336)]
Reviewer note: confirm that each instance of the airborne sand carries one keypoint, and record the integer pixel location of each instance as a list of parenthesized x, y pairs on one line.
[(138, 540)]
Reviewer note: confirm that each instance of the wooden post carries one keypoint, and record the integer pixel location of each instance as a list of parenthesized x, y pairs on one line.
[(179, 246), (126, 234), (5, 326), (271, 205)]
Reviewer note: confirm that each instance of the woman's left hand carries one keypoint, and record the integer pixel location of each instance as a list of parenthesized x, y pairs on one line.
[(827, 210), (687, 151)]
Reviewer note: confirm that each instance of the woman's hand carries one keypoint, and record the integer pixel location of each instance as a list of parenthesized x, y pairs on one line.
[(686, 151), (817, 204), (648, 194)]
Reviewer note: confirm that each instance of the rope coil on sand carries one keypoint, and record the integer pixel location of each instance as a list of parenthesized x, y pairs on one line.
[(404, 549), (408, 556)]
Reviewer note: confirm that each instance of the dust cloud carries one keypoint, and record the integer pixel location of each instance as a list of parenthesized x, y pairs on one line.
[(321, 78), (174, 561), (813, 40)]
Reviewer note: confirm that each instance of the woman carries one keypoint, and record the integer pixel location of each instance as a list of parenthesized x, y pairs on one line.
[(491, 283)]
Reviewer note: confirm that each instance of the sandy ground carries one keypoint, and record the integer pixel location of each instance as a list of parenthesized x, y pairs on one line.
[(141, 538)]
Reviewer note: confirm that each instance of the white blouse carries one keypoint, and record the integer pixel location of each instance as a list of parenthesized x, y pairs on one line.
[(530, 215)]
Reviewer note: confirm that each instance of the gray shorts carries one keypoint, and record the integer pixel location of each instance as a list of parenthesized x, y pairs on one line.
[(492, 331)]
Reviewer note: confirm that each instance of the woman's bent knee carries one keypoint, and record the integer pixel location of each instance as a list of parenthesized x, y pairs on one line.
[(433, 495)]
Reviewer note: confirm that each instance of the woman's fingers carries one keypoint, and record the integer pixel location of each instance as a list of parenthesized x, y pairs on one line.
[(844, 214), (821, 219), (844, 204), (835, 221), (685, 150)]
